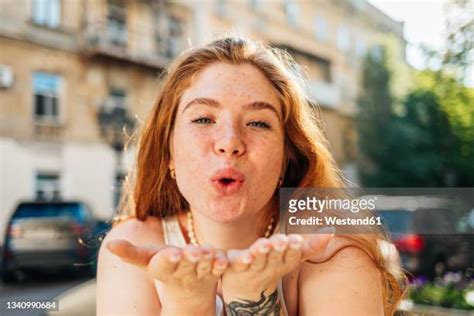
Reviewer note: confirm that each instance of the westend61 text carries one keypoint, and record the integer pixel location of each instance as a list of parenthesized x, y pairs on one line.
[(332, 220)]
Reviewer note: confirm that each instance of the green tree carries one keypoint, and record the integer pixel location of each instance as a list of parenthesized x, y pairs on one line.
[(428, 142), (422, 142), (456, 101), (419, 131), (375, 115)]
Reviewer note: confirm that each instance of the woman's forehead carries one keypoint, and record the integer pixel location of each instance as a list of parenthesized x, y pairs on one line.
[(232, 85)]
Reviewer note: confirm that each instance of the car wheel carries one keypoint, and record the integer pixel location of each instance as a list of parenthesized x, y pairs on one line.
[(7, 276)]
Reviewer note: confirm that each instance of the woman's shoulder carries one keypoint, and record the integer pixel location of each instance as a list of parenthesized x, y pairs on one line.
[(138, 232), (347, 270), (115, 274), (341, 252)]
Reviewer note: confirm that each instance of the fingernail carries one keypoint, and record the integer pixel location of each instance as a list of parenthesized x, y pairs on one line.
[(194, 257), (295, 240), (280, 245), (264, 249), (208, 255), (175, 257), (327, 230), (247, 259), (232, 256), (221, 263), (295, 244)]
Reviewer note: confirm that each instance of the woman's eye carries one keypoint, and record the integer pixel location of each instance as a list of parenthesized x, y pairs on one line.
[(202, 120), (206, 120), (260, 124)]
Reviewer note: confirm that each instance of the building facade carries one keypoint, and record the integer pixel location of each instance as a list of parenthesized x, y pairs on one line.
[(64, 62)]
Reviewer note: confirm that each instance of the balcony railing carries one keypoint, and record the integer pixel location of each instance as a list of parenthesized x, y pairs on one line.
[(141, 46), (45, 130)]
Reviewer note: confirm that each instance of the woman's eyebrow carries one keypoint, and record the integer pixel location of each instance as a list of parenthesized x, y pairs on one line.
[(257, 105)]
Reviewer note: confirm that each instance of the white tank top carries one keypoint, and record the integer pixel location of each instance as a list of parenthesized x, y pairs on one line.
[(174, 237)]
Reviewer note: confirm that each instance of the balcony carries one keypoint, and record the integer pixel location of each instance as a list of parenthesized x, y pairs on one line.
[(45, 130), (112, 40), (326, 94)]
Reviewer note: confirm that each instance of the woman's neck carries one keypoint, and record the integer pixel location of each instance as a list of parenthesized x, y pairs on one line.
[(239, 234)]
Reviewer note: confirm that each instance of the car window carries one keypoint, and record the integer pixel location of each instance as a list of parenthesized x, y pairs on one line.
[(77, 211)]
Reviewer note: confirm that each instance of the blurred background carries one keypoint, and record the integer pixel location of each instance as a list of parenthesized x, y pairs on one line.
[(393, 80)]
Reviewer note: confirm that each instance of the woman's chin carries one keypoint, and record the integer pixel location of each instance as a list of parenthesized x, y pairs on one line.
[(225, 214)]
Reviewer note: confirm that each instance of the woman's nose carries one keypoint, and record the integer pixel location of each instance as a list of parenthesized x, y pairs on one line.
[(230, 144)]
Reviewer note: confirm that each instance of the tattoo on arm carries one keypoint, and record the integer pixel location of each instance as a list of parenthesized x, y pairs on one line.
[(264, 306)]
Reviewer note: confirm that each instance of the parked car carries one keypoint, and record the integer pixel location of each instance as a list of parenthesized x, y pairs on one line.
[(430, 254), (47, 236)]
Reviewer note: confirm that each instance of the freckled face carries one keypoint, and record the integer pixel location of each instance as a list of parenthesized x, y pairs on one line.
[(216, 128)]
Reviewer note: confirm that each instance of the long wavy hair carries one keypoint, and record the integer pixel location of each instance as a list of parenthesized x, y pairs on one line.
[(149, 189)]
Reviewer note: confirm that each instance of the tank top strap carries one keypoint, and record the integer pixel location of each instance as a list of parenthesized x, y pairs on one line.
[(172, 232)]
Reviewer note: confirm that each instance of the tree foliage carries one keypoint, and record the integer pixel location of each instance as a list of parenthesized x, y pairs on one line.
[(423, 139)]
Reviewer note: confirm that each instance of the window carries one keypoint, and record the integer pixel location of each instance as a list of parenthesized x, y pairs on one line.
[(292, 11), (47, 185), (343, 38), (320, 28), (46, 12), (324, 67), (117, 23), (169, 35), (320, 68), (46, 88), (174, 37), (117, 97)]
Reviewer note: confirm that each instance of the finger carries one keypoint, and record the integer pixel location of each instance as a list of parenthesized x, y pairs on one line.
[(136, 255), (220, 263), (293, 253), (315, 245), (164, 263), (204, 267), (192, 255), (260, 250), (279, 244), (239, 260)]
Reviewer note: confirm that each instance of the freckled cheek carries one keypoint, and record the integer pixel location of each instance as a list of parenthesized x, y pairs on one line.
[(192, 151), (268, 158)]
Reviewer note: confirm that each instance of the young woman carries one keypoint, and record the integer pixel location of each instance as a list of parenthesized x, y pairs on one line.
[(199, 229)]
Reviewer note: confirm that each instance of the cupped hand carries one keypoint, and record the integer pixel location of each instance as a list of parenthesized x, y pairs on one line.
[(253, 274), (188, 274)]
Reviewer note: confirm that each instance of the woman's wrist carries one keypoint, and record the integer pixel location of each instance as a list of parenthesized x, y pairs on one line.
[(179, 301), (203, 307)]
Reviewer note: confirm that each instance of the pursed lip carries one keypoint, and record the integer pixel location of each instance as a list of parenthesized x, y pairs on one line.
[(228, 173)]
